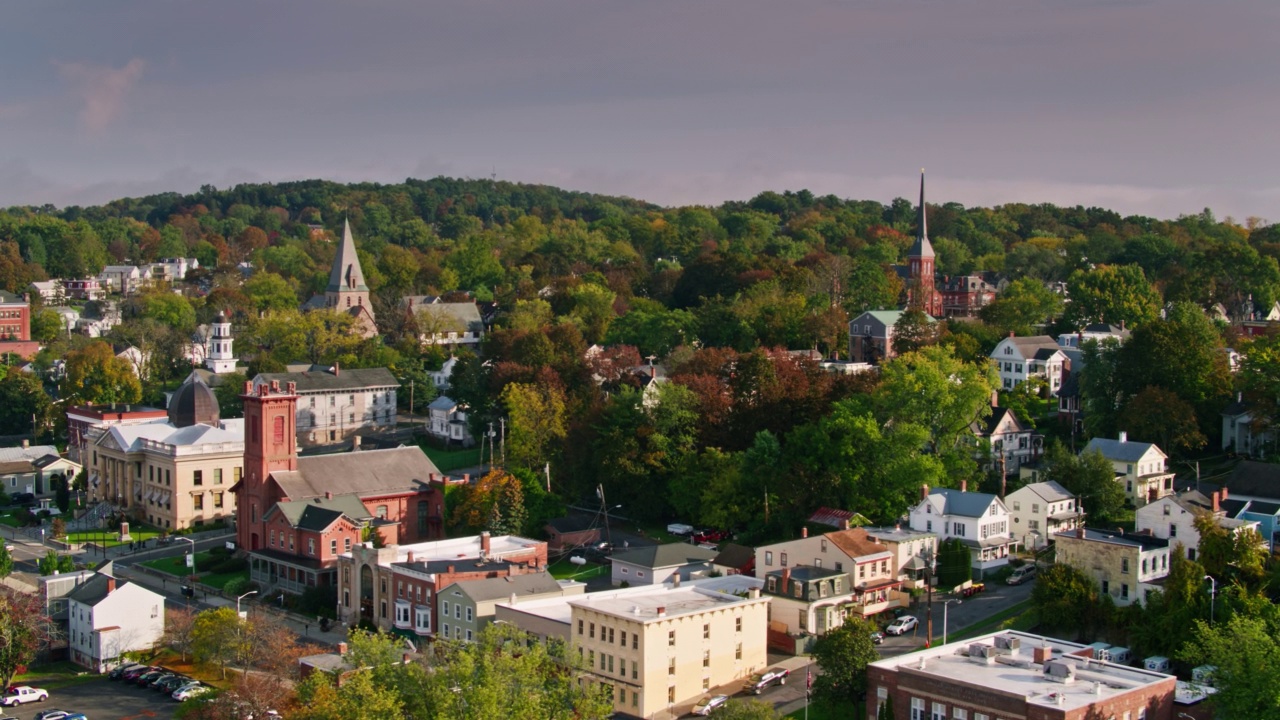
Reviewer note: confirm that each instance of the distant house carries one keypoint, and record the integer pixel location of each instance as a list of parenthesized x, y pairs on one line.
[(50, 291), (571, 532), (1126, 566), (871, 335), (909, 549), (735, 559), (965, 295), (1012, 441), (449, 421), (1039, 511), (172, 270), (84, 289), (858, 570), (1142, 467), (124, 279), (1018, 359), (334, 403), (440, 378), (656, 564), (1254, 495), (979, 520), (1239, 434), (442, 323), (1173, 518), (33, 468), (1094, 331), (473, 601), (840, 519)]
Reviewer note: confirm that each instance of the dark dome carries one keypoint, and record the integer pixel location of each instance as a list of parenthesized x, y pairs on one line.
[(194, 404), (221, 318)]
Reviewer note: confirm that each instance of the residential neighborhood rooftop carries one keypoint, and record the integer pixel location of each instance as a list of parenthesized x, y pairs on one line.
[(665, 556)]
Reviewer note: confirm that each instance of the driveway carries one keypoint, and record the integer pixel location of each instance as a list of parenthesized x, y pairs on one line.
[(101, 699)]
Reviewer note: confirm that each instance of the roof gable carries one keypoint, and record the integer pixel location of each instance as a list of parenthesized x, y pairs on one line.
[(1128, 451), (664, 556), (965, 504), (367, 473)]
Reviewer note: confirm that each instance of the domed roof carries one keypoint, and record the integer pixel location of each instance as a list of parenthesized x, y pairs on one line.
[(221, 318), (194, 404)]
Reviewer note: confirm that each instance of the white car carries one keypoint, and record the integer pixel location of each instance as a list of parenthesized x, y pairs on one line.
[(24, 694), (902, 625), (190, 690), (709, 703)]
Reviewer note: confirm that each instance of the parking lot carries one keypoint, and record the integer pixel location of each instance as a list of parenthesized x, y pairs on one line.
[(102, 699)]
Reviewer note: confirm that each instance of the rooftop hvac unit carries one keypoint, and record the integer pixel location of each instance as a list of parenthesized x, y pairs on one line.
[(1008, 642), (1059, 671)]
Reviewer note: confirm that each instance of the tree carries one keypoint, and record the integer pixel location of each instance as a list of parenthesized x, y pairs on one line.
[(537, 414), (46, 325), (843, 655), (936, 390), (217, 637), (24, 629), (22, 396), (748, 709), (358, 698), (954, 563), (1066, 599), (1091, 477), (168, 309), (914, 331), (269, 291), (6, 561), (179, 626), (95, 375), (1160, 416), (1246, 653), (503, 675), (1023, 305), (1115, 294), (58, 528), (1230, 556), (495, 503), (52, 563)]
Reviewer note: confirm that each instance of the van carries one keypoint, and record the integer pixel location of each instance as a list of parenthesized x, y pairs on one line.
[(1022, 574), (1156, 663), (1118, 655), (1203, 675)]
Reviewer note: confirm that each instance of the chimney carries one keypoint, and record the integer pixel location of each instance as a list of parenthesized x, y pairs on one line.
[(26, 443), (342, 648), (466, 478), (1217, 499), (336, 370), (484, 543), (1042, 654), (1223, 492), (653, 372), (293, 388), (328, 494), (275, 386), (964, 486), (111, 584), (1124, 436), (1121, 326), (248, 387), (924, 492), (675, 581), (897, 527), (410, 558), (995, 398), (1011, 333), (786, 580), (662, 611), (754, 593), (844, 523), (450, 569), (355, 443), (1080, 532), (804, 532)]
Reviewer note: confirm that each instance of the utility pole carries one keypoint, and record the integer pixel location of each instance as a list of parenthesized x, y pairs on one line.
[(930, 560), (491, 434), (503, 424), (604, 507), (410, 395)]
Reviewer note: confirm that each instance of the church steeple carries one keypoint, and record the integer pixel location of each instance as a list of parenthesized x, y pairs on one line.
[(347, 291), (922, 247)]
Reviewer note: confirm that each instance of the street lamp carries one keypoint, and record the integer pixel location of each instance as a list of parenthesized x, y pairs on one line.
[(1213, 594), (191, 564), (251, 592), (944, 617)]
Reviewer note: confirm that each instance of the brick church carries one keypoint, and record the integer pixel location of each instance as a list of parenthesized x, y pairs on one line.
[(949, 296), (295, 515)]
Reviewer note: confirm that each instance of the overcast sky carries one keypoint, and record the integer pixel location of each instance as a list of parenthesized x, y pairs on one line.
[(1159, 107)]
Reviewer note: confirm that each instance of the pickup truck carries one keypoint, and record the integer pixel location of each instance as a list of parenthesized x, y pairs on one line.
[(760, 681), (22, 695)]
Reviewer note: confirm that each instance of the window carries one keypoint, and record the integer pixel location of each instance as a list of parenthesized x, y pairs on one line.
[(917, 709), (444, 611), (737, 624), (635, 641), (706, 684), (737, 653), (580, 624), (197, 477), (706, 631), (1124, 592), (671, 694), (1173, 529), (346, 544), (959, 714), (333, 546), (671, 666), (592, 634), (197, 502), (824, 544), (217, 476), (1035, 508), (939, 711), (957, 529), (217, 500), (311, 546), (1124, 565), (1017, 505), (783, 559), (457, 611), (671, 638), (624, 638), (235, 474), (445, 632)]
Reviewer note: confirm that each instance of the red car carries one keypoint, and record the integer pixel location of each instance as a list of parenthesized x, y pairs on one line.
[(710, 536)]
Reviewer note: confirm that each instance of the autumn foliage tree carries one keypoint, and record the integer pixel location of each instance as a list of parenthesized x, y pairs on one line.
[(24, 629), (95, 375), (494, 503)]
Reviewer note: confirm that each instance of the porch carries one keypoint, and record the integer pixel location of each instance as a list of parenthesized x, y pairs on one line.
[(287, 573)]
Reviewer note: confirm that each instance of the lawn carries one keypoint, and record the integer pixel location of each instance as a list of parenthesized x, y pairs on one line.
[(449, 460), (824, 711), (52, 676), (562, 569), (177, 567), (112, 535), (10, 520)]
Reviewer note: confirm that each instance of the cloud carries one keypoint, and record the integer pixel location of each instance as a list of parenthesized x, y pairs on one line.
[(102, 88)]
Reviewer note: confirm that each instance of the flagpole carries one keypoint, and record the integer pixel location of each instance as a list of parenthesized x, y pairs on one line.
[(808, 683)]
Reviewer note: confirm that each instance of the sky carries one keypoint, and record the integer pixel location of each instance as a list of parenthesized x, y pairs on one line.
[(1154, 107)]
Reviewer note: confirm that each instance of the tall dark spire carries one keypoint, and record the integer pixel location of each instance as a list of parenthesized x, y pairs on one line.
[(922, 246)]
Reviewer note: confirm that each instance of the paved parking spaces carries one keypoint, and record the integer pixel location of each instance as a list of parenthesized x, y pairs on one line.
[(103, 699)]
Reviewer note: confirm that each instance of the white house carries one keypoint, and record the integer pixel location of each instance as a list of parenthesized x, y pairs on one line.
[(657, 564), (445, 323), (1018, 359), (1038, 511), (124, 279), (440, 378), (1094, 331), (449, 421), (1144, 467), (979, 520), (51, 291), (1238, 432), (107, 617), (1012, 442), (1173, 518), (173, 269)]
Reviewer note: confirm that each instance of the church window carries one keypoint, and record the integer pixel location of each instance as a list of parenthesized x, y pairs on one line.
[(348, 302), (277, 430)]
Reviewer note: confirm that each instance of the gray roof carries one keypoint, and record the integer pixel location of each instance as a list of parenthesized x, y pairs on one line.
[(346, 273), (1049, 491), (93, 591), (319, 513), (463, 314), (1118, 537), (1257, 479), (498, 588), (442, 403), (367, 473), (327, 380), (887, 318), (1116, 451), (968, 504), (665, 556), (807, 573), (1031, 346)]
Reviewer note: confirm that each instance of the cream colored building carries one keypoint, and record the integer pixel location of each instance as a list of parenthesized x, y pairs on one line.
[(173, 473), (662, 647)]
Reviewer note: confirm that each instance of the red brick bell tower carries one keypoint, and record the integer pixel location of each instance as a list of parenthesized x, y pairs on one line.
[(270, 444)]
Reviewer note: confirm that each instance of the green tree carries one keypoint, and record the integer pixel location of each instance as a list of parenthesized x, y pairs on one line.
[(913, 331), (1160, 416), (46, 325), (24, 630), (358, 698), (954, 563), (495, 503), (217, 637), (842, 656), (95, 375), (593, 308), (52, 563), (6, 561), (748, 709), (168, 309), (1115, 294), (1246, 653), (537, 415), (504, 675), (1091, 477), (1066, 599), (22, 397), (269, 291), (1023, 305), (936, 390)]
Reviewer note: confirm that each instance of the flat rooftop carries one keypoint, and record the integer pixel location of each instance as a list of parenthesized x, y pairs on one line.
[(1015, 674), (642, 603)]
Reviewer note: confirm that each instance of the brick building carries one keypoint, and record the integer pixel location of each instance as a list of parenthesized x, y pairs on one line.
[(15, 326), (82, 418), (1016, 675)]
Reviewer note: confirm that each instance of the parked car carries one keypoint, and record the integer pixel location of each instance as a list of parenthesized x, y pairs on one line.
[(167, 676), (22, 499), (710, 536), (22, 695), (707, 704), (1022, 574), (52, 715), (761, 681), (169, 684), (131, 675), (118, 671), (190, 690), (877, 637), (679, 529), (76, 716), (903, 624), (146, 678)]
